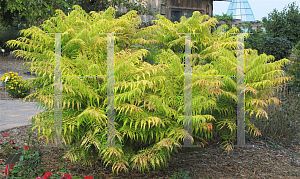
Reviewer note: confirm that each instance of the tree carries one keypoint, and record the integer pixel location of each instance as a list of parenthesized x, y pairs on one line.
[(96, 5), (26, 13), (284, 24)]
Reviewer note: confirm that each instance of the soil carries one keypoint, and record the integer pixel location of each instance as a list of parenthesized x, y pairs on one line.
[(261, 159)]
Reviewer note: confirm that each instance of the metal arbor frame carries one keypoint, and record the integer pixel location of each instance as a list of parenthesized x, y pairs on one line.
[(187, 94)]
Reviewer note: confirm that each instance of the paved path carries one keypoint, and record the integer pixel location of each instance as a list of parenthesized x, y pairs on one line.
[(14, 113)]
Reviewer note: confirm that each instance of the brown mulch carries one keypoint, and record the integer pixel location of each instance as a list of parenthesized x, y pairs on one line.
[(261, 160)]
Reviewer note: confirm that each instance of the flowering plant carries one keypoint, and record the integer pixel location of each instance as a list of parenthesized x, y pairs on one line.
[(11, 165), (15, 86), (18, 88), (45, 176), (66, 176), (11, 76), (29, 165), (7, 147)]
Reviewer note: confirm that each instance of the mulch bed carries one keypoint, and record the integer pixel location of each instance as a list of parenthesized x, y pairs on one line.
[(261, 160)]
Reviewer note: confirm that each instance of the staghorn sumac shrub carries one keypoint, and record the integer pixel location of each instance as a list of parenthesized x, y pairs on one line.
[(149, 98)]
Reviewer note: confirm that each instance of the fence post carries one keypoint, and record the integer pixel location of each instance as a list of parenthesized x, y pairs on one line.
[(240, 92), (57, 91), (188, 94)]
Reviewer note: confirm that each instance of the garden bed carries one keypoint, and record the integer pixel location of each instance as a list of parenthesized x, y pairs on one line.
[(262, 160)]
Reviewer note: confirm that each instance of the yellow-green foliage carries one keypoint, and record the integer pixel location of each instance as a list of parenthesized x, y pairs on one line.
[(146, 96)]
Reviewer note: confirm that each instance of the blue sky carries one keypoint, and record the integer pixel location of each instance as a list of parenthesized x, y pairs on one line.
[(260, 8)]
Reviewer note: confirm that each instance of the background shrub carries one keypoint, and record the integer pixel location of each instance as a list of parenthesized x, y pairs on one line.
[(18, 88), (283, 121), (297, 46), (294, 69), (278, 47), (6, 35), (255, 41)]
